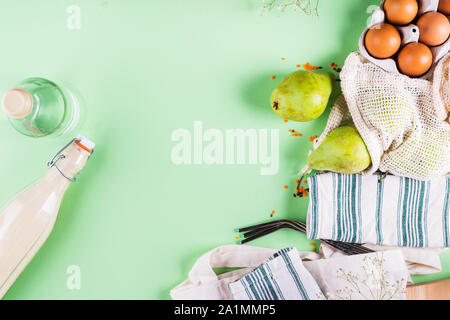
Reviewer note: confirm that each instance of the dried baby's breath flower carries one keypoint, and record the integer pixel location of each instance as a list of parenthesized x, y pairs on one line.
[(310, 7)]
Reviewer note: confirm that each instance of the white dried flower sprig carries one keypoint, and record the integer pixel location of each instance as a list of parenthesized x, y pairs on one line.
[(373, 283), (310, 7)]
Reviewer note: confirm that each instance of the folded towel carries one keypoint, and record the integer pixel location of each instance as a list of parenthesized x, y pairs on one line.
[(282, 277), (396, 212)]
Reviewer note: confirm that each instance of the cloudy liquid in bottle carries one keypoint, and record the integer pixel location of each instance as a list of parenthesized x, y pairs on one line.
[(27, 220)]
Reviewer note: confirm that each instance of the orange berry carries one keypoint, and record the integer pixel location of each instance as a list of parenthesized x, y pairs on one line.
[(285, 121), (283, 58), (314, 249), (285, 187), (273, 211), (272, 77)]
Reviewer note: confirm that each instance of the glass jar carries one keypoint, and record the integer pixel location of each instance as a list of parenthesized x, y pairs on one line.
[(38, 107)]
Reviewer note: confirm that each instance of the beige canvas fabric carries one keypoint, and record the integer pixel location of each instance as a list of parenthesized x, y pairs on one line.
[(373, 276), (418, 260), (403, 121), (203, 283)]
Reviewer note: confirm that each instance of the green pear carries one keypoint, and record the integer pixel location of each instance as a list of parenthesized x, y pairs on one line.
[(302, 95), (342, 151)]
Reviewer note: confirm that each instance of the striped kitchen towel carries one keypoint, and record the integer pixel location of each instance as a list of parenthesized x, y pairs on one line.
[(282, 277), (397, 212)]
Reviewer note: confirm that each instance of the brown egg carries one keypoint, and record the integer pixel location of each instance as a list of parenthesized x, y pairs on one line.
[(401, 12), (434, 28), (415, 59), (382, 40), (444, 6)]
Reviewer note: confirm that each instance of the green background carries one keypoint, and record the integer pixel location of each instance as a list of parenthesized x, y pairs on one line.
[(134, 222)]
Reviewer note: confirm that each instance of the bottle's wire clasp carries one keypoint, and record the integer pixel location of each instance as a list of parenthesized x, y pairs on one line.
[(58, 156)]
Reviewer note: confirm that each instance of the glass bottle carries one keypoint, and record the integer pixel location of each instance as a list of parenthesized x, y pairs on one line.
[(38, 107), (27, 220)]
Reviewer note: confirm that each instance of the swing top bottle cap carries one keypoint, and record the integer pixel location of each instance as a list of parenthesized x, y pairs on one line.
[(85, 142), (17, 103)]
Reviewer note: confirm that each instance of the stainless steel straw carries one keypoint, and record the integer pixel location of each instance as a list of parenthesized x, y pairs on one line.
[(260, 230)]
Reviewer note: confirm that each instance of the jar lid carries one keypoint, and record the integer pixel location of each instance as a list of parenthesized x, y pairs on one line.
[(17, 103)]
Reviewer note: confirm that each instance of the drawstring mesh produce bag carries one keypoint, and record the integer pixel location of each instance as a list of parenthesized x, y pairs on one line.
[(403, 121)]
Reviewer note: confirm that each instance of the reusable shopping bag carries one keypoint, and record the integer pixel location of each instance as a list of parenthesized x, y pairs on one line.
[(403, 121), (204, 284)]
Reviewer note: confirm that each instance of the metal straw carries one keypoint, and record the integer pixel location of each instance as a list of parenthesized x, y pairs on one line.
[(260, 230)]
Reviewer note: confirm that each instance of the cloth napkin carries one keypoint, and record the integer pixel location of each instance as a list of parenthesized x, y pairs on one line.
[(282, 277), (398, 211)]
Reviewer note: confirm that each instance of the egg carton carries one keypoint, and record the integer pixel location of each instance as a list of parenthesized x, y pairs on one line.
[(409, 33)]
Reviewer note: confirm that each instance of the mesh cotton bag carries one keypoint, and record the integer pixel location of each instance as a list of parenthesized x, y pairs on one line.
[(403, 121)]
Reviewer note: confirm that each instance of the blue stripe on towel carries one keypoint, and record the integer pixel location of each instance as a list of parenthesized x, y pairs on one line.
[(279, 292), (425, 215), (339, 212), (378, 210), (333, 176), (314, 206), (269, 283), (262, 284), (294, 274), (349, 200), (404, 233), (412, 232), (420, 200), (412, 212), (343, 220), (347, 208), (359, 213), (248, 284), (399, 211)]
